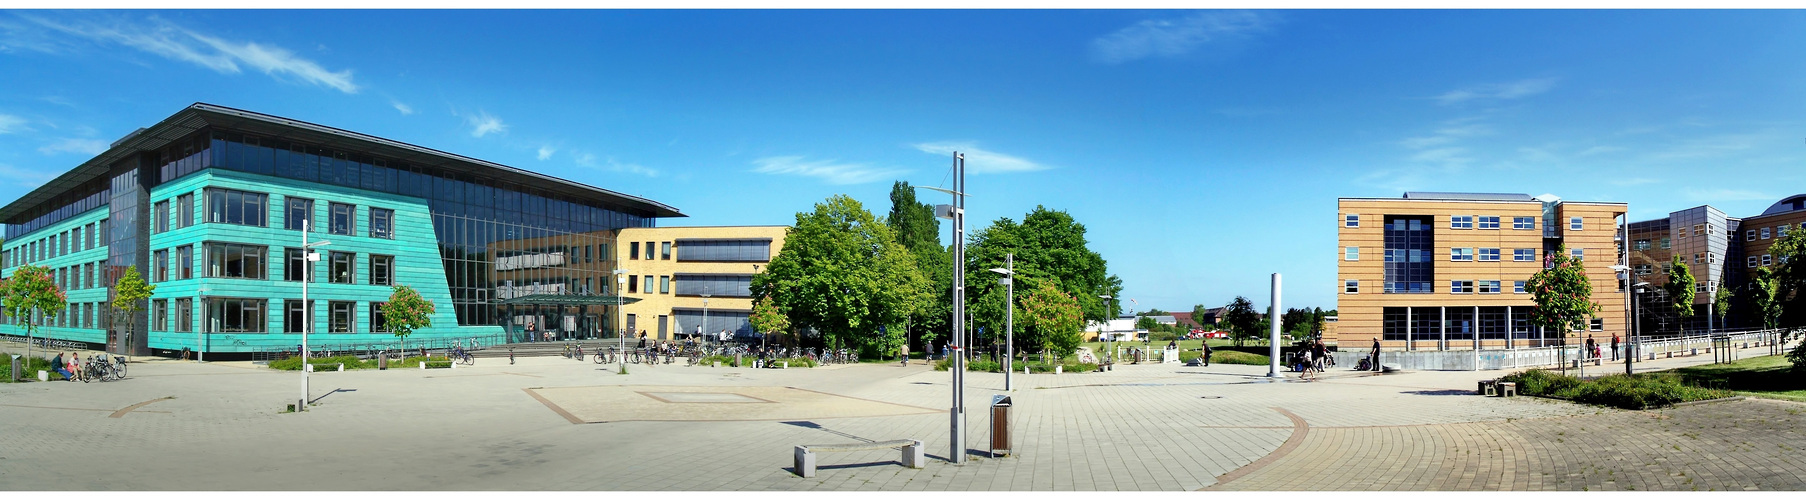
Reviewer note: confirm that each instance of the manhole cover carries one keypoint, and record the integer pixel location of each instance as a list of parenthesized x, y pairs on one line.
[(702, 397)]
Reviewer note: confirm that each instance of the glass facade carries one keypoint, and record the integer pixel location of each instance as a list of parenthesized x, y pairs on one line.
[(1409, 243)]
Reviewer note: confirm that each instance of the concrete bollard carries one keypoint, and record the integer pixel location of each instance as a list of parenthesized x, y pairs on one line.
[(717, 364), (423, 365), (786, 364), (341, 367), (1057, 369), (43, 376)]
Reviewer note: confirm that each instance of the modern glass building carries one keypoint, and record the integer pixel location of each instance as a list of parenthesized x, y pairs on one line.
[(210, 205)]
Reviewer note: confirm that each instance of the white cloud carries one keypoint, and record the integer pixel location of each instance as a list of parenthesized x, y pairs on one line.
[(402, 107), (1174, 37), (831, 171), (1498, 91), (166, 39), (545, 152), (483, 124), (25, 177), (81, 146), (980, 161), (589, 160), (1714, 146), (10, 124)]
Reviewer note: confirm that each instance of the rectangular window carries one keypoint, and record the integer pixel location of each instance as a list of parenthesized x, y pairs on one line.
[(1781, 231), (184, 213), (1579, 254), (1489, 254), (1697, 259), (1489, 286), (1598, 324), (1523, 223), (294, 318), (1461, 254), (1351, 286), (647, 287), (184, 315), (587, 257), (648, 250), (300, 214), (1460, 286), (1352, 253), (1523, 255), (160, 262), (235, 315), (1767, 259), (344, 267), (185, 262), (343, 218), (1667, 244), (1461, 222), (1351, 220), (1752, 262), (232, 260), (1764, 233), (1641, 245), (633, 283), (1644, 269), (159, 315), (1699, 229), (382, 223), (378, 322), (633, 250), (231, 206), (664, 249), (1749, 235), (160, 217), (1517, 287), (344, 316), (1489, 222), (294, 264), (664, 284), (382, 270), (1574, 223)]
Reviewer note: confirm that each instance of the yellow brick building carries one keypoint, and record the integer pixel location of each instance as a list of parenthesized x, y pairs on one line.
[(671, 269), (1448, 270)]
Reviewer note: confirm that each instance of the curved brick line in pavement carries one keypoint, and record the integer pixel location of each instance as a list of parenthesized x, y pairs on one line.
[(1299, 430), (122, 411)]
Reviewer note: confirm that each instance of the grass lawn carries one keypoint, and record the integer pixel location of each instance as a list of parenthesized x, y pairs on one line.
[(1766, 376)]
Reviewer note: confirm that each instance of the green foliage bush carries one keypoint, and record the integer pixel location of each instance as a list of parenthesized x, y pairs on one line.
[(29, 367), (1631, 392), (1238, 358), (985, 365), (351, 363)]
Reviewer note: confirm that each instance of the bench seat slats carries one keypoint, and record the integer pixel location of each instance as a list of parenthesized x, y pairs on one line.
[(856, 446)]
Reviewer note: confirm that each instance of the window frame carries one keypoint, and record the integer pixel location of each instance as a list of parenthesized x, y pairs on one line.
[(1518, 255), (386, 263), (387, 219), (1483, 255), (333, 323), (1351, 287), (1352, 221), (332, 218), (1488, 221), (1765, 233), (1578, 254), (1523, 223), (1576, 223), (306, 210), (1351, 253), (1461, 287), (1461, 254), (1461, 222), (1518, 287), (349, 260)]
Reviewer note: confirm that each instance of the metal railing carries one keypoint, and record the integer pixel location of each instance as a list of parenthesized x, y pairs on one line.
[(1538, 357)]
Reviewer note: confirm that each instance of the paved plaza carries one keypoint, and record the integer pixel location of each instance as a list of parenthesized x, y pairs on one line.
[(557, 424)]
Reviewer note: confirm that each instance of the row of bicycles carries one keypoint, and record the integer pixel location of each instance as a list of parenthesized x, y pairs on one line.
[(103, 369)]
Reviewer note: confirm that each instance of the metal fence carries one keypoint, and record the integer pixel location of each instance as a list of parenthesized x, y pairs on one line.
[(370, 349), (1537, 357)]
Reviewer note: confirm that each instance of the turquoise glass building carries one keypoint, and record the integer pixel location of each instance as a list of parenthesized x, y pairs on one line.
[(209, 205)]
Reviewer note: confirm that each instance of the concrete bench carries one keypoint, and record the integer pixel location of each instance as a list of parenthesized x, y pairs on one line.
[(914, 455), (1486, 387), (1508, 389)]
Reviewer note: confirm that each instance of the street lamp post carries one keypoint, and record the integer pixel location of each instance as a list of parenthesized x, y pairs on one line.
[(705, 313), (307, 308), (1109, 346), (620, 333), (957, 213), (1009, 322)]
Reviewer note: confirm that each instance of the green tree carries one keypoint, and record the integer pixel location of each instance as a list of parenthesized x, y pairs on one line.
[(919, 232), (30, 295), (1244, 323), (1048, 245), (1198, 312), (1147, 323), (1788, 298), (767, 318), (1721, 302), (129, 296), (842, 273), (1563, 295), (1680, 287), (406, 312), (1054, 318), (1764, 300)]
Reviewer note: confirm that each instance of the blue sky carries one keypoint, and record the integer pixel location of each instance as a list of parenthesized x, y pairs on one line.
[(1202, 149)]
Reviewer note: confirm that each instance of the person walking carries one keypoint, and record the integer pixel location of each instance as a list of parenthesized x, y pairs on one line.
[(1374, 356), (1206, 352), (1318, 352), (1592, 349), (1305, 365), (904, 353)]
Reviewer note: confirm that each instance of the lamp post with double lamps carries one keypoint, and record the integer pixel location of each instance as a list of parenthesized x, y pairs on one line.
[(1009, 322), (957, 213), (307, 308)]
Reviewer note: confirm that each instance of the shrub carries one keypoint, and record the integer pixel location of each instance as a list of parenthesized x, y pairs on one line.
[(1238, 358), (294, 363), (29, 368), (1631, 392)]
